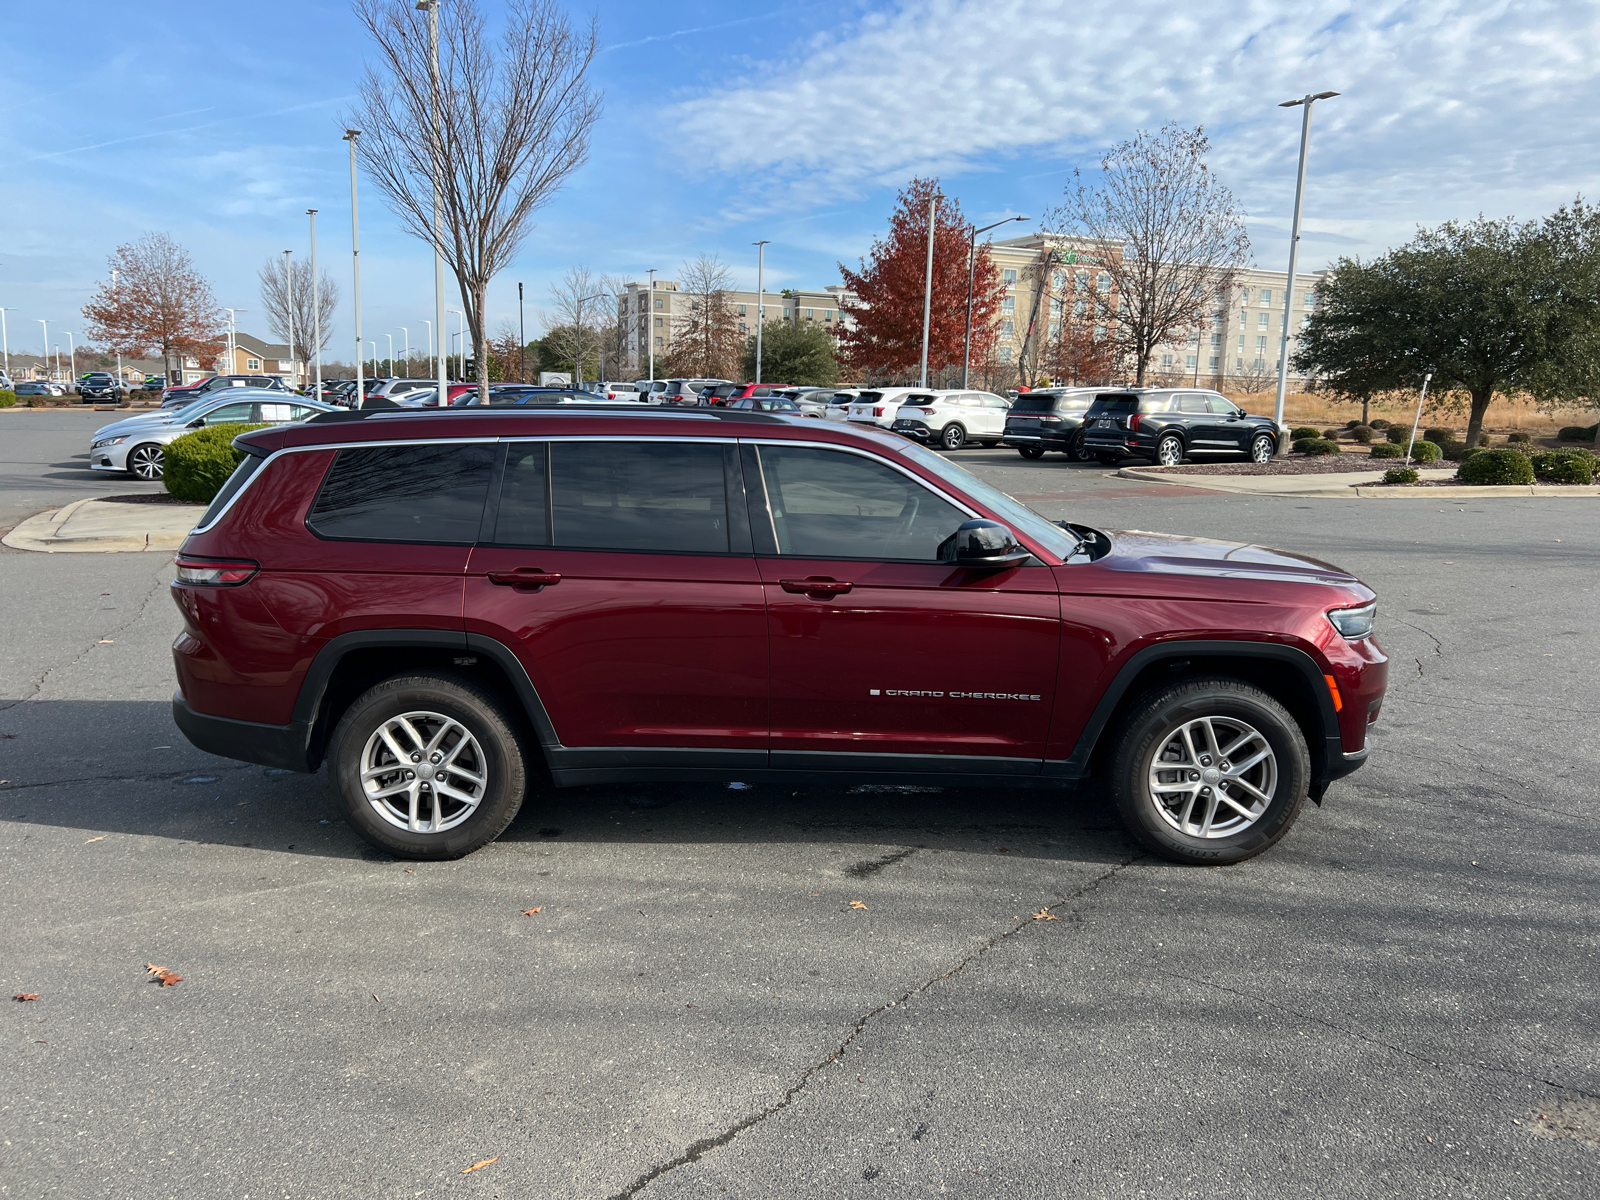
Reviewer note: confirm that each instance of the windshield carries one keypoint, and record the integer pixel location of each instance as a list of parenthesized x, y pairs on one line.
[(1047, 533)]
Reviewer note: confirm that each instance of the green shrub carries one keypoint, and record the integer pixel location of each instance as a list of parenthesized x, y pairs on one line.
[(1378, 423), (1362, 434), (1438, 435), (1330, 435), (1303, 431), (1387, 450), (1577, 433), (1315, 446), (1426, 451), (199, 463), (1498, 466), (1300, 444), (1523, 448), (1566, 466), (1519, 437), (7, 398), (1453, 450), (1401, 475), (1353, 424), (1399, 434)]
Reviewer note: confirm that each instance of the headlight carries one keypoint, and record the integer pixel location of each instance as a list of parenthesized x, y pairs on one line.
[(104, 442), (1354, 623)]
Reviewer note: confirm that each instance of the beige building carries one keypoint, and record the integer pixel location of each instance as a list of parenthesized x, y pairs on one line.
[(648, 319)]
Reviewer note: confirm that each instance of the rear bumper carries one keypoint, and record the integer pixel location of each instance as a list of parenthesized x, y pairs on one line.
[(283, 746), (914, 430)]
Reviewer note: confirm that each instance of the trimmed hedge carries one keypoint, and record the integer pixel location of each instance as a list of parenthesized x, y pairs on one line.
[(1300, 432), (1401, 475), (1331, 435), (1519, 437), (1453, 450), (1314, 446), (1497, 466), (1353, 424), (1387, 450), (1426, 451), (1362, 434), (1567, 466), (1577, 433), (7, 398), (199, 463), (1399, 434), (1438, 435), (1378, 423)]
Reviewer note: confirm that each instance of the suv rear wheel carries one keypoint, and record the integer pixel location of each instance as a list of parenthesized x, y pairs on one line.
[(1031, 452), (952, 437), (1209, 771), (1169, 450), (428, 766)]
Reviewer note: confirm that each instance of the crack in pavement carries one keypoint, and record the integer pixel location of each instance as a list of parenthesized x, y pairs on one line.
[(699, 1148), (38, 684), (1359, 1036)]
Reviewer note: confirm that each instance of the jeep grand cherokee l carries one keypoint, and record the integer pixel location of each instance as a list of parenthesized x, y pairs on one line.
[(445, 606), (1167, 425)]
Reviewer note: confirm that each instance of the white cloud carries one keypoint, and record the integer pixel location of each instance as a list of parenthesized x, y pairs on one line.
[(1447, 107)]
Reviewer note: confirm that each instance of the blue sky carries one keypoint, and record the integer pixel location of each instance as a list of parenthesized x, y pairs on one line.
[(726, 122)]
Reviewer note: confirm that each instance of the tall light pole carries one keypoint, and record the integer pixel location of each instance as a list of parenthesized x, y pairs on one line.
[(972, 261), (233, 338), (390, 336), (72, 357), (5, 341), (577, 366), (316, 303), (435, 162), (461, 332), (650, 327), (1304, 102), (522, 338), (761, 300), (114, 297), (374, 346), (350, 135), (429, 324), (44, 357), (288, 283), (927, 288), (405, 355)]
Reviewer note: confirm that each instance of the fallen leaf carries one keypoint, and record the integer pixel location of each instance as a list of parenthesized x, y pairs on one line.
[(411, 870), (857, 904), (101, 838), (375, 997), (528, 912), (106, 642), (481, 1164), (164, 976), (814, 895), (26, 996), (1044, 914), (1430, 1139)]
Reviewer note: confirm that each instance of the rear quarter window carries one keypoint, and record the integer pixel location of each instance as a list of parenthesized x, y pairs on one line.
[(432, 493)]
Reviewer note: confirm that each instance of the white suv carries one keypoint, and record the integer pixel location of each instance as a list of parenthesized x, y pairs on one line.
[(950, 419), (878, 406)]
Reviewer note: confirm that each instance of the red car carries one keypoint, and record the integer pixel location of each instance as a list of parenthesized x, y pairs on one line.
[(445, 605)]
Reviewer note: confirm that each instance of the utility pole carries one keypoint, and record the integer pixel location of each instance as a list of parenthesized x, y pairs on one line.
[(522, 337), (288, 283), (650, 328), (972, 262), (1294, 242), (115, 297), (350, 135), (927, 288), (72, 357), (44, 357), (436, 165), (5, 341), (316, 302), (761, 300)]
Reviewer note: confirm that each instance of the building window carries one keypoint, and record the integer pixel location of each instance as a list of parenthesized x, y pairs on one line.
[(1309, 299), (1099, 333), (1216, 339), (809, 313), (1058, 280), (1082, 281), (661, 303), (1055, 330), (252, 364), (1191, 362), (1261, 348), (1056, 307), (1005, 354), (1166, 362), (1266, 297), (1009, 304), (1079, 308), (660, 324), (741, 326), (1244, 295), (1261, 321), (787, 313), (1009, 275), (1241, 343), (1008, 329), (827, 314), (741, 310), (1213, 363), (1104, 282), (660, 342), (1238, 363)]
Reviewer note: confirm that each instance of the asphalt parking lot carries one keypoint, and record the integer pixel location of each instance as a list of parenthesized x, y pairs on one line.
[(1397, 1000)]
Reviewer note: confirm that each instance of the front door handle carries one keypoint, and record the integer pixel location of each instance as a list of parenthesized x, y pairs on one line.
[(817, 589), (525, 577)]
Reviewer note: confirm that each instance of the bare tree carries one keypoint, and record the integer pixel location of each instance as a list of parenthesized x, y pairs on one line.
[(511, 122), (279, 295), (1170, 238), (582, 310), (706, 341)]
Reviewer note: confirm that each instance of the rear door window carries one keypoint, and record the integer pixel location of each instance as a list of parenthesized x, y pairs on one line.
[(230, 413), (432, 493), (661, 497)]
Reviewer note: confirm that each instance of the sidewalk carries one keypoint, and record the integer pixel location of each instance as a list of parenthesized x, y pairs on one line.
[(106, 526), (1338, 486)]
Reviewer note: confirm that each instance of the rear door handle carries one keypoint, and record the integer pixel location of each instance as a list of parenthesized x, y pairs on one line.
[(525, 577), (817, 589)]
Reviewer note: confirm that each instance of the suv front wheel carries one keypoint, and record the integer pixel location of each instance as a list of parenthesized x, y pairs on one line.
[(1209, 771), (428, 767), (1261, 447)]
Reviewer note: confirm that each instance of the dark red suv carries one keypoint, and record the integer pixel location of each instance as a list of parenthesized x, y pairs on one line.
[(446, 604)]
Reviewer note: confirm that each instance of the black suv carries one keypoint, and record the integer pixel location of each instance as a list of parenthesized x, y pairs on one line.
[(100, 385), (1166, 425), (1049, 419)]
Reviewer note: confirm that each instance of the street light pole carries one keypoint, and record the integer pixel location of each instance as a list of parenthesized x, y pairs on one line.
[(5, 341), (405, 355), (1294, 242), (927, 288), (461, 332), (316, 303), (233, 339), (390, 336), (288, 283), (650, 329), (114, 298), (431, 370), (374, 346), (350, 135), (972, 262), (72, 357), (761, 300), (435, 165), (577, 366), (44, 357), (522, 338)]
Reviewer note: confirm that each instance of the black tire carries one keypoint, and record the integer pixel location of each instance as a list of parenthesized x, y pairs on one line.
[(1262, 448), (1152, 725), (952, 437), (502, 760), (147, 461), (1031, 453), (1078, 449), (1169, 446)]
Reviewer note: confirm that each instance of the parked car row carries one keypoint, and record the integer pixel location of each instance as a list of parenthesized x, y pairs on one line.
[(138, 444)]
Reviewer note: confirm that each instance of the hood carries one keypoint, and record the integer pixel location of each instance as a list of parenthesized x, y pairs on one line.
[(129, 424), (1165, 554)]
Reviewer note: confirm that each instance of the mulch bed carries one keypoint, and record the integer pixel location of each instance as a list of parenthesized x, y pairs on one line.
[(147, 498), (1450, 483), (1294, 464)]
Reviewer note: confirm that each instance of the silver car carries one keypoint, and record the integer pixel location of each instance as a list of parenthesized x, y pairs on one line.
[(138, 445)]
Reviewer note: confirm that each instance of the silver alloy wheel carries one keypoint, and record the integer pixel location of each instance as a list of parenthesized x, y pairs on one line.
[(1080, 451), (1169, 452), (147, 461), (1261, 449), (953, 437), (423, 772), (1213, 777)]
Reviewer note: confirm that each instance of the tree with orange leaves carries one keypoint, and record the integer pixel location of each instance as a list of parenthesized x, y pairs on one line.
[(883, 336), (160, 303)]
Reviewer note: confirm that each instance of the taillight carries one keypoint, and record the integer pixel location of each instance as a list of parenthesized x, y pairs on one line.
[(1050, 420), (877, 412), (1133, 422), (932, 412), (215, 572)]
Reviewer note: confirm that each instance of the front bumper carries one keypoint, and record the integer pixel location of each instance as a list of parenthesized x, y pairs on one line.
[(110, 458)]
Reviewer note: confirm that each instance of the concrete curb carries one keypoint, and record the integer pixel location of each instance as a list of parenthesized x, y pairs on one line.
[(1347, 485), (91, 526)]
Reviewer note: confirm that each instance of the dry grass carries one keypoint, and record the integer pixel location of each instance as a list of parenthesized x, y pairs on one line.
[(1504, 416)]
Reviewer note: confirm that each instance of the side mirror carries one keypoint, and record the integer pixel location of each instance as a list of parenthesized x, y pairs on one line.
[(986, 545)]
